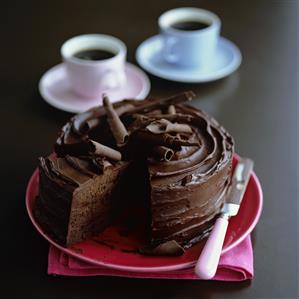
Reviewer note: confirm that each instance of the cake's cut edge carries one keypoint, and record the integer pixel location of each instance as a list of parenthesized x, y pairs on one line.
[(73, 204)]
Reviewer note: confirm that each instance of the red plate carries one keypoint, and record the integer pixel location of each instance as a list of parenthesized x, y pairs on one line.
[(121, 254)]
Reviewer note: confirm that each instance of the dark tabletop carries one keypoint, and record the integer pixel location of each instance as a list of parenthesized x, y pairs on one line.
[(258, 104)]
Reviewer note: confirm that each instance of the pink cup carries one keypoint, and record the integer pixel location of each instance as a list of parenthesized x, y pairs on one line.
[(90, 78)]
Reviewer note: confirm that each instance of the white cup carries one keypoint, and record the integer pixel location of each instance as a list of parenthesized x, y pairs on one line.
[(89, 78), (194, 48)]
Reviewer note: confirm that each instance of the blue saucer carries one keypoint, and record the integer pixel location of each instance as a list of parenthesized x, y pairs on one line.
[(227, 59)]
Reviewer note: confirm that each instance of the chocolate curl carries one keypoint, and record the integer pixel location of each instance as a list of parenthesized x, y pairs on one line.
[(178, 117), (154, 112), (165, 126), (118, 129), (149, 105), (178, 128), (90, 119), (167, 140), (139, 122), (163, 153), (67, 136), (92, 123), (80, 122), (103, 150), (99, 164), (123, 109), (169, 248), (171, 110)]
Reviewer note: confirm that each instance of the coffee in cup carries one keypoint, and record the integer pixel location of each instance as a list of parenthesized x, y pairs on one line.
[(94, 54), (190, 25)]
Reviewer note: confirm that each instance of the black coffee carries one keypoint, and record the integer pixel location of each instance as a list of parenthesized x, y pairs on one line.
[(190, 25), (94, 54)]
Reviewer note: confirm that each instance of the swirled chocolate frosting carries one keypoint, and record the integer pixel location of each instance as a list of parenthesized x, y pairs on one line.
[(188, 157), (188, 191)]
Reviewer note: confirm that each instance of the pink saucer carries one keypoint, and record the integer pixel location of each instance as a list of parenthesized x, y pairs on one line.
[(121, 255), (56, 91)]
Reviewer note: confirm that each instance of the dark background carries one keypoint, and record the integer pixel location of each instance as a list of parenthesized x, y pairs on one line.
[(258, 105)]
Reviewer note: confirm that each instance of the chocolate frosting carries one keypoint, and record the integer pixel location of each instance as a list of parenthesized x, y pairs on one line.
[(188, 191), (214, 150)]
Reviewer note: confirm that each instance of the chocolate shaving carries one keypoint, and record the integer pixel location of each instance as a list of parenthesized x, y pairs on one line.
[(154, 112), (169, 248), (67, 136), (124, 108), (171, 110), (178, 128), (178, 117), (70, 143), (187, 179), (149, 105), (92, 123), (118, 129), (80, 122), (84, 122), (173, 142), (104, 151), (165, 126), (99, 164), (163, 153), (139, 122)]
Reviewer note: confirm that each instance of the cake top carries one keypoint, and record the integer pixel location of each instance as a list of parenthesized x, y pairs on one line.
[(175, 138)]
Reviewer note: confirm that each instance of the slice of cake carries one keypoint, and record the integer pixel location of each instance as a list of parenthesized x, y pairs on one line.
[(75, 201), (183, 173)]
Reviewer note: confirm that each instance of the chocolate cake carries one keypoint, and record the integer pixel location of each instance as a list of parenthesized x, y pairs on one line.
[(183, 156)]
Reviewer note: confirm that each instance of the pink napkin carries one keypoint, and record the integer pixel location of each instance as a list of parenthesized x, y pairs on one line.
[(234, 265)]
